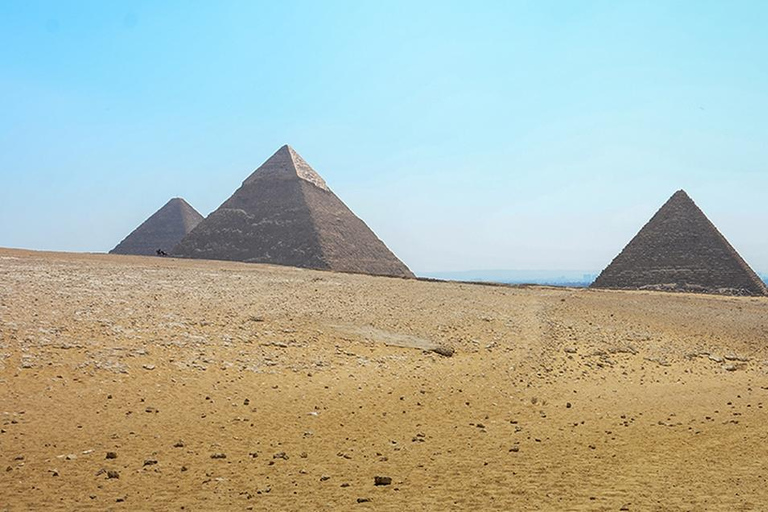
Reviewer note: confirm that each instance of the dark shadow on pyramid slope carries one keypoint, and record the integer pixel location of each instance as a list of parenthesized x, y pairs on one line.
[(285, 214), (679, 249), (163, 230)]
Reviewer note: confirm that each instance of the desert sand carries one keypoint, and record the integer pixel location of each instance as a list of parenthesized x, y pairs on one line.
[(141, 383)]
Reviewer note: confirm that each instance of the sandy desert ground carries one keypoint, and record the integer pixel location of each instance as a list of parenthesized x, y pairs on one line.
[(139, 383)]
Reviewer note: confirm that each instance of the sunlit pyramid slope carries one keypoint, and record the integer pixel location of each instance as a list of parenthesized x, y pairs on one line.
[(162, 231), (681, 250), (285, 214)]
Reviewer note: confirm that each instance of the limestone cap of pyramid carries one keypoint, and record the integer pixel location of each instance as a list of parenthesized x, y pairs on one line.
[(286, 164)]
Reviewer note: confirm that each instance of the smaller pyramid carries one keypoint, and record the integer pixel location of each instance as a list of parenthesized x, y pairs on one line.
[(162, 231), (679, 249)]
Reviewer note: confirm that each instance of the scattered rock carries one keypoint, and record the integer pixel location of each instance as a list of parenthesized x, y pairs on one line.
[(443, 351), (148, 366), (113, 474), (111, 455), (150, 462), (363, 500), (218, 455), (280, 455), (382, 480), (570, 350)]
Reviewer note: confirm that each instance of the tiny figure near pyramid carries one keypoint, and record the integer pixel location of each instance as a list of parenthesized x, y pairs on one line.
[(679, 249), (285, 214)]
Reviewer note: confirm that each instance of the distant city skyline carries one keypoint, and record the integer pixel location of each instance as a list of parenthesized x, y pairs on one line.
[(505, 135)]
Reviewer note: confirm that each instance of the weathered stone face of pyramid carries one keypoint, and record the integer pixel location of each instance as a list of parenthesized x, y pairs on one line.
[(679, 249), (162, 231), (285, 214)]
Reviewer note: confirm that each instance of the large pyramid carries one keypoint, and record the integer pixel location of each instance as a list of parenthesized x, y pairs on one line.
[(162, 231), (285, 214), (681, 250)]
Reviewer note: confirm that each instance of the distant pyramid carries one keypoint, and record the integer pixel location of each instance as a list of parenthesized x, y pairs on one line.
[(285, 214), (681, 250), (162, 231)]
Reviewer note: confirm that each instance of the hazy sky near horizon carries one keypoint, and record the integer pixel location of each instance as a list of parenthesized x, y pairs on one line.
[(468, 135)]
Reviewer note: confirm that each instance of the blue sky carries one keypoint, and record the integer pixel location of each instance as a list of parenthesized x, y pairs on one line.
[(468, 135)]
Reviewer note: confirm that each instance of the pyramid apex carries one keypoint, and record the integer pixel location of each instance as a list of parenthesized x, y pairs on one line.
[(287, 164)]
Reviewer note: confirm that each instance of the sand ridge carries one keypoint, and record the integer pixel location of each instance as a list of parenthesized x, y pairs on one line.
[(223, 385)]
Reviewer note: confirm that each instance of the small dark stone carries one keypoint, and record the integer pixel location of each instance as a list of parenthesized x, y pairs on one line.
[(219, 456), (150, 462), (443, 351), (113, 474), (382, 480), (363, 500), (111, 455)]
